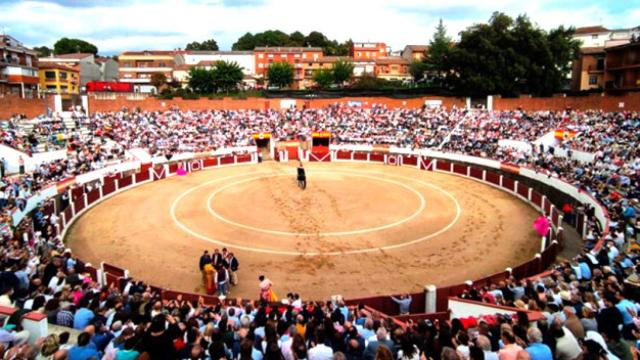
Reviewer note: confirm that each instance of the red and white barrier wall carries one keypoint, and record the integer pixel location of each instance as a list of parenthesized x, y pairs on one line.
[(424, 303)]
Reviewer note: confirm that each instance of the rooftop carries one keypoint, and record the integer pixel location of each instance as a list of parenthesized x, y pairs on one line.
[(392, 60), (286, 49), (590, 30), (417, 48)]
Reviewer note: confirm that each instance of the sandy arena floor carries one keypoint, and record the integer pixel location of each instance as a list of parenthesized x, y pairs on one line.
[(357, 230)]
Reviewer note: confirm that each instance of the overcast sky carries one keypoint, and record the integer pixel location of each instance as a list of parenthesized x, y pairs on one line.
[(118, 25)]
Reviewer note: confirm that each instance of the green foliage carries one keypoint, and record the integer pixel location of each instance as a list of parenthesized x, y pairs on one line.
[(439, 50), (209, 45), (317, 39), (272, 38), (224, 76), (245, 42), (42, 51), (280, 74), (342, 71), (418, 69), (323, 78), (296, 38), (369, 82), (509, 57), (158, 80), (201, 80), (68, 46), (227, 75)]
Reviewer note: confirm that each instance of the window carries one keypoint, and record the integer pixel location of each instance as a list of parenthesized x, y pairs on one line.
[(260, 56), (297, 56), (594, 36), (63, 75), (162, 64), (593, 79), (600, 64), (50, 75), (63, 87), (270, 56), (304, 56), (260, 66)]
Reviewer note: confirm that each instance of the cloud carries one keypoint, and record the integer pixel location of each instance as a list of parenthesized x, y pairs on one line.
[(119, 25)]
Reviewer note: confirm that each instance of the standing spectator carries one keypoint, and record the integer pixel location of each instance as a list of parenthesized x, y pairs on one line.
[(404, 303), (84, 349), (536, 349)]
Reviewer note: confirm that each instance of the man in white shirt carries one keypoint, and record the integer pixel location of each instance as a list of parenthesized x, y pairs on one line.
[(320, 351)]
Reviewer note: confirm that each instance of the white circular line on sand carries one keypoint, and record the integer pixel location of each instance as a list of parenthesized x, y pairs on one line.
[(337, 233), (184, 228)]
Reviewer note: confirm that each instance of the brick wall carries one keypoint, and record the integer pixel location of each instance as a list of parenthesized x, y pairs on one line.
[(594, 101), (254, 103), (11, 105)]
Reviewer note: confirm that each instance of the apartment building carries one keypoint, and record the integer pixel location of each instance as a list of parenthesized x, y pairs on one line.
[(245, 59), (137, 67), (325, 63), (588, 69), (415, 52), (622, 67), (90, 67), (298, 57), (18, 68), (57, 78), (599, 36), (394, 68)]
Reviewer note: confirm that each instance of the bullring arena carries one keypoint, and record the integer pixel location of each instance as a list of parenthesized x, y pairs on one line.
[(357, 230)]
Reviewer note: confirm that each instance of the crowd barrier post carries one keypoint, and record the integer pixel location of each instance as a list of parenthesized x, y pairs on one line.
[(73, 208), (530, 194), (86, 203), (501, 177), (57, 229), (542, 206), (117, 183), (64, 219), (484, 175), (100, 191), (538, 258), (430, 296), (516, 186), (468, 171)]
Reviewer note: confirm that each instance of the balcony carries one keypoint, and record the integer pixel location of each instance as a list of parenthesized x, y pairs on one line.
[(595, 70)]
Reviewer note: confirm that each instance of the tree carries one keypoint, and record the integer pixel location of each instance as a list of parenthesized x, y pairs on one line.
[(418, 69), (342, 71), (271, 38), (158, 80), (201, 80), (296, 38), (438, 53), (227, 75), (245, 42), (69, 46), (207, 45), (323, 78), (317, 39), (280, 74), (369, 82), (42, 51), (509, 57)]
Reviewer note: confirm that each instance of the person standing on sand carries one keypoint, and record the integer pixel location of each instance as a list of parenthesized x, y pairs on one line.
[(266, 293), (302, 177), (209, 282), (204, 260)]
